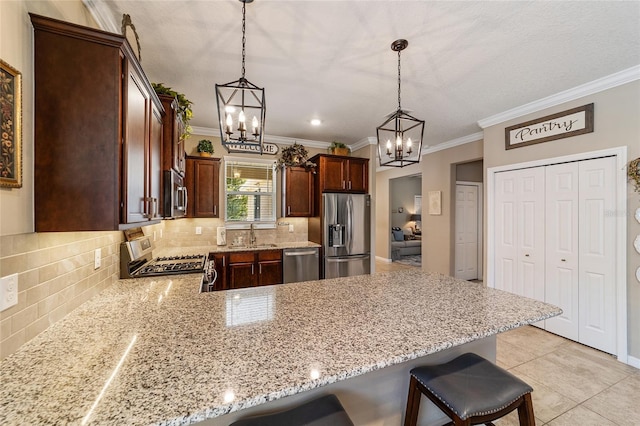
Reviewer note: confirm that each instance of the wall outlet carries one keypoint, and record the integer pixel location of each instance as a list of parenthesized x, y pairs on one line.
[(291, 227), (154, 235), (97, 258), (8, 291), (198, 230)]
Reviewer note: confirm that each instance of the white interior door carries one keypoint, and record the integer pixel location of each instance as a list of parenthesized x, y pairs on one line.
[(466, 248), (519, 232), (597, 247), (562, 257)]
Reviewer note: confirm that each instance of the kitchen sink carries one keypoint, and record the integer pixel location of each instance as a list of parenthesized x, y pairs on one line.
[(253, 246)]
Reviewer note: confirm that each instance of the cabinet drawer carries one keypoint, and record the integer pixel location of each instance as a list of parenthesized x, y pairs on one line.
[(270, 255), (245, 256)]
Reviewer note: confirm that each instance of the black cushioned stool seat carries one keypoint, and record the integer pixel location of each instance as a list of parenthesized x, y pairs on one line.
[(470, 390), (324, 411)]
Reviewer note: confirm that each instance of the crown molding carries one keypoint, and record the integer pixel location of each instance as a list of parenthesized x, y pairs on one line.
[(369, 140), (608, 82), (102, 15), (280, 140)]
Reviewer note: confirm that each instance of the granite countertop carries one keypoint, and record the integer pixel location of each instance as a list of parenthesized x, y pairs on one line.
[(175, 251), (155, 351)]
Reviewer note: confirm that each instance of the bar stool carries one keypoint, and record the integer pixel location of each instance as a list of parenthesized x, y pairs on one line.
[(470, 390), (323, 411)]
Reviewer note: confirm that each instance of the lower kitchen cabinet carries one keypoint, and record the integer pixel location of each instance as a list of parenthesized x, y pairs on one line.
[(247, 269)]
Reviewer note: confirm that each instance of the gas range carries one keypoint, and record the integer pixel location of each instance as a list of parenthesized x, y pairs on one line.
[(174, 265), (136, 260)]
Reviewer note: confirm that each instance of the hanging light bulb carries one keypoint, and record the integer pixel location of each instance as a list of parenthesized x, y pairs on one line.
[(401, 126), (235, 101)]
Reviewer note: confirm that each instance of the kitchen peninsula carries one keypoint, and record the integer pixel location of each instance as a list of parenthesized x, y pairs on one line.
[(155, 351)]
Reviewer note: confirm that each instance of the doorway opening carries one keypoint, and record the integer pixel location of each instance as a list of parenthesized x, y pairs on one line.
[(405, 217)]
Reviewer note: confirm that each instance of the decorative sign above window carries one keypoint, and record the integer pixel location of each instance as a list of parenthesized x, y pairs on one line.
[(573, 122), (267, 148)]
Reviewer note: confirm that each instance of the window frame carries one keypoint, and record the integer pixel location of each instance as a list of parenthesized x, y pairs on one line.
[(246, 224)]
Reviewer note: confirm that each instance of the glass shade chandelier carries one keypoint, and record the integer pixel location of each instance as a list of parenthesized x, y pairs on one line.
[(400, 137), (241, 108)]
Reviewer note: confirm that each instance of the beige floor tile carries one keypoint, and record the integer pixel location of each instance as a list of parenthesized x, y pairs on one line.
[(512, 419), (509, 355), (547, 403), (568, 376), (619, 403), (580, 416), (533, 340)]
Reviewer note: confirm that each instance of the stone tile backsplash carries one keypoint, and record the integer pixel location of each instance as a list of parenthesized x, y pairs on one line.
[(56, 269)]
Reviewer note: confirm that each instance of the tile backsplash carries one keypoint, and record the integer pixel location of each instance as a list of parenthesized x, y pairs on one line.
[(56, 269)]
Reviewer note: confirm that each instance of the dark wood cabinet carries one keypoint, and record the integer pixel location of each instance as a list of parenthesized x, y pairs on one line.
[(96, 153), (173, 155), (297, 192), (269, 267), (221, 261), (203, 186), (337, 173), (248, 269)]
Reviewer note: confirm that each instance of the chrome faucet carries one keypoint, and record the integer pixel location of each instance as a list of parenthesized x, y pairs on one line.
[(252, 236)]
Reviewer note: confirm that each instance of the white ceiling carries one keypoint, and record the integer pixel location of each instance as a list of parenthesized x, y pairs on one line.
[(466, 61)]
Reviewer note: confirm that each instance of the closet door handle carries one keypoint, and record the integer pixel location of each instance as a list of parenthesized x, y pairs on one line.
[(527, 255), (563, 260)]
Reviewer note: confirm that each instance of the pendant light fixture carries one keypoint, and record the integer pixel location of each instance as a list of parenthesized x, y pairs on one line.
[(241, 108), (400, 137)]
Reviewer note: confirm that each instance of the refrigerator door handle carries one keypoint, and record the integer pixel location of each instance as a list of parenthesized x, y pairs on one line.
[(346, 259), (350, 224)]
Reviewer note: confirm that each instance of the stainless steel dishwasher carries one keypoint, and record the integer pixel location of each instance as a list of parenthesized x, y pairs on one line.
[(301, 264)]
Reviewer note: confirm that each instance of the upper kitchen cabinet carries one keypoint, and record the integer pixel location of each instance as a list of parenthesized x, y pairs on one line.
[(98, 131), (173, 155), (341, 173), (297, 192), (203, 186)]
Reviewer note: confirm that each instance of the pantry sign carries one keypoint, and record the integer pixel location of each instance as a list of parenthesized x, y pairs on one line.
[(573, 122)]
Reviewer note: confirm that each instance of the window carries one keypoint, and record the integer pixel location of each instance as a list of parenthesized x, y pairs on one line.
[(250, 191)]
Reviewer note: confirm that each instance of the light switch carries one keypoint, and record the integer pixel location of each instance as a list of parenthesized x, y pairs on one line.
[(198, 230), (291, 227)]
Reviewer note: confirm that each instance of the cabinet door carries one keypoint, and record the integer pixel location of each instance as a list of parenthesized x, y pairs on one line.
[(241, 275), (332, 174), (203, 186), (135, 204), (220, 260), (358, 175), (270, 272), (298, 192), (155, 158)]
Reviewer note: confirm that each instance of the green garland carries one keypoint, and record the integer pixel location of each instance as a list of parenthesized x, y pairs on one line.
[(184, 106)]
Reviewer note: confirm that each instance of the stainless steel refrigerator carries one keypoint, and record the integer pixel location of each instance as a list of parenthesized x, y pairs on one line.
[(346, 235)]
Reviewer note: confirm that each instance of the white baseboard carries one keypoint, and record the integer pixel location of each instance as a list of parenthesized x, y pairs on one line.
[(383, 259), (633, 361)]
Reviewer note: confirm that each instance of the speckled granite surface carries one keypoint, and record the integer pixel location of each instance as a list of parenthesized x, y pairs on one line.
[(175, 251), (185, 356)]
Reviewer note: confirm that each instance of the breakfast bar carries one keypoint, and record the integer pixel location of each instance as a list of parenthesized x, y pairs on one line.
[(156, 351)]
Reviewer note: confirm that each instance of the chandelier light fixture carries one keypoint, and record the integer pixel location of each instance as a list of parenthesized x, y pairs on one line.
[(400, 137), (241, 108)]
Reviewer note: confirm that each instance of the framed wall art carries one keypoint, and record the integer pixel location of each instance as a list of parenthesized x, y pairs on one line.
[(11, 130)]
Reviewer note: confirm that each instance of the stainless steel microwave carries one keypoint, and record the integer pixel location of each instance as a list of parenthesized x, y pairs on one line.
[(175, 198)]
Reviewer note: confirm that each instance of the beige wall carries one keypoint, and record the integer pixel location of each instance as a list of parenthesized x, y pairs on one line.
[(470, 172), (438, 174), (617, 123)]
